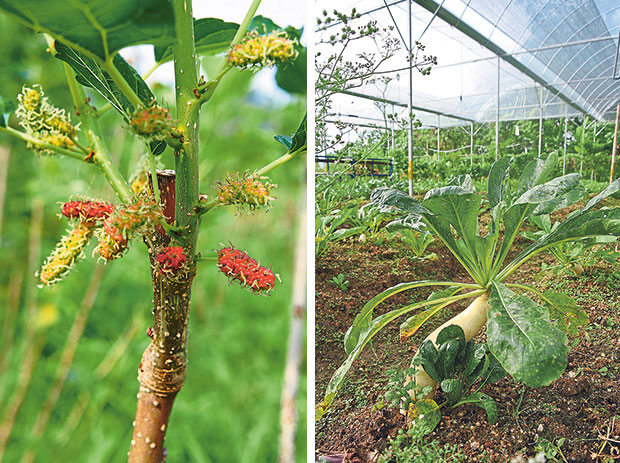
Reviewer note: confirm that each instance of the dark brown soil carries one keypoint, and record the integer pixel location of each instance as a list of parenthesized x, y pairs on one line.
[(582, 406)]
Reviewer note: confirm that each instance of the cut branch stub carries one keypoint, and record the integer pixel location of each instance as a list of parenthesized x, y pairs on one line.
[(166, 180)]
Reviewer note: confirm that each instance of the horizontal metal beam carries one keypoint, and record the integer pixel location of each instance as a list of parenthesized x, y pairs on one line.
[(404, 105), (468, 30), (356, 124)]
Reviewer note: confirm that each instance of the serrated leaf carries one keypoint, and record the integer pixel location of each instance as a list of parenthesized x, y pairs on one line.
[(90, 74), (565, 310), (520, 335), (97, 27), (211, 35)]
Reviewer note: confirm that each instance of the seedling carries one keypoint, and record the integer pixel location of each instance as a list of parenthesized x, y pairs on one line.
[(415, 236), (339, 281)]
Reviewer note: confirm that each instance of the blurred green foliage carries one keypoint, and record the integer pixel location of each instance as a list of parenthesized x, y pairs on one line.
[(585, 152), (229, 408)]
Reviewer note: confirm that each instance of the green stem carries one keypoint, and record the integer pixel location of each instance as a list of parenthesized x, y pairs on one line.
[(153, 174), (122, 84), (102, 157), (41, 144), (83, 149), (525, 288), (513, 266), (163, 368), (206, 259), (243, 28), (225, 66), (281, 160), (151, 71), (102, 111), (188, 108), (108, 106)]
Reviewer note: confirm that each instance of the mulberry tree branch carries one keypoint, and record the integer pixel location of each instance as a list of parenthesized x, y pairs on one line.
[(163, 367)]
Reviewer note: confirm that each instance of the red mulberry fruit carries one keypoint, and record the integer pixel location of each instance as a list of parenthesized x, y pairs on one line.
[(238, 266), (171, 259), (87, 211)]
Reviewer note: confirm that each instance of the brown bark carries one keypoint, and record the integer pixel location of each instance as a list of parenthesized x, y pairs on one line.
[(162, 371)]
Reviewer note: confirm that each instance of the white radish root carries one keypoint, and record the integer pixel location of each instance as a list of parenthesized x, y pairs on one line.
[(471, 320)]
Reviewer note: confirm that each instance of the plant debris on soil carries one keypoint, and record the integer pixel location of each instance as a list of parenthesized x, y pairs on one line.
[(582, 406)]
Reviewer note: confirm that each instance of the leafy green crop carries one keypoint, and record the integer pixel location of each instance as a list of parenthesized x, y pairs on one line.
[(519, 331), (457, 364)]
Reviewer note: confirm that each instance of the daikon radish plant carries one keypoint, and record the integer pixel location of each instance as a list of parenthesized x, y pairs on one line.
[(521, 335), (161, 208)]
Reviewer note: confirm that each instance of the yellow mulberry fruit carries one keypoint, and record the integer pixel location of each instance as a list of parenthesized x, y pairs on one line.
[(66, 254), (263, 50)]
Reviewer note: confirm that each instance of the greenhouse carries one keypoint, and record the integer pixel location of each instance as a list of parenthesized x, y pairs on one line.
[(496, 61)]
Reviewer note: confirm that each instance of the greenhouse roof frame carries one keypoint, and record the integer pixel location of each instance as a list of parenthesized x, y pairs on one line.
[(496, 49), (567, 48)]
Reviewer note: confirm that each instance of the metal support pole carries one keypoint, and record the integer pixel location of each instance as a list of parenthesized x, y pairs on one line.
[(583, 130), (615, 148), (540, 118), (438, 137), (471, 144), (497, 113), (392, 129), (410, 106), (564, 157)]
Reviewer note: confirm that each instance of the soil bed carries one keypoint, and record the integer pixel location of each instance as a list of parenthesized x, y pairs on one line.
[(582, 406)]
